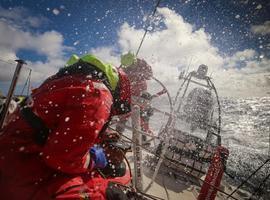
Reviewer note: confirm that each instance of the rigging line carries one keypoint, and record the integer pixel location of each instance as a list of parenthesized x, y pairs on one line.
[(260, 187), (243, 182), (189, 64), (165, 188), (146, 29), (7, 62), (176, 163), (184, 94), (179, 90), (26, 82), (29, 82)]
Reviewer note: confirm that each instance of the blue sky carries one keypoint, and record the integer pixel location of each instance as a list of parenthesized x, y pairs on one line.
[(83, 26), (94, 23)]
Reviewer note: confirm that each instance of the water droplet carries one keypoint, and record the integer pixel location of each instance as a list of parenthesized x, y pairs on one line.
[(22, 148)]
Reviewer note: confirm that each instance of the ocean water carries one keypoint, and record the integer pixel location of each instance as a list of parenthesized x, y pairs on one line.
[(245, 131)]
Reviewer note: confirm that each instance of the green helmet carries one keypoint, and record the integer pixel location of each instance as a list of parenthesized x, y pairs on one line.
[(128, 59), (110, 72)]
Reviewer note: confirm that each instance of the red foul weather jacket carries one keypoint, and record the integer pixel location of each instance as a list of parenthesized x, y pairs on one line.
[(138, 73), (74, 108)]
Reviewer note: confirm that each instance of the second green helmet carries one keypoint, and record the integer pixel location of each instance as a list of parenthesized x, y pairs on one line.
[(128, 59)]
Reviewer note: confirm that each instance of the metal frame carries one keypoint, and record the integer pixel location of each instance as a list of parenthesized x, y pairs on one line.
[(209, 85)]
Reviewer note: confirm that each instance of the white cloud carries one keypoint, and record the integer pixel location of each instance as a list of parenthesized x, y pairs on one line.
[(19, 16), (262, 29), (14, 38), (169, 48), (175, 45), (107, 54)]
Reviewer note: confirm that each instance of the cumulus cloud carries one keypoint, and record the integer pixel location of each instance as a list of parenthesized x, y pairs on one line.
[(176, 45), (14, 38), (107, 54), (262, 29), (172, 46), (19, 16)]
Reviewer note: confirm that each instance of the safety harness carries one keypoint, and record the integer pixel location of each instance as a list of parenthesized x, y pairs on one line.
[(41, 131)]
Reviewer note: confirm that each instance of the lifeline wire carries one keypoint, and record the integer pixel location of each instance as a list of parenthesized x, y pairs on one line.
[(260, 187), (10, 63), (252, 174), (7, 62), (175, 163)]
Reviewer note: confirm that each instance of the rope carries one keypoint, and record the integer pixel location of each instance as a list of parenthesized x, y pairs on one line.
[(146, 29)]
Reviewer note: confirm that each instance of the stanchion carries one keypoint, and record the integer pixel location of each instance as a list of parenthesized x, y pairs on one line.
[(136, 137), (11, 91), (214, 174)]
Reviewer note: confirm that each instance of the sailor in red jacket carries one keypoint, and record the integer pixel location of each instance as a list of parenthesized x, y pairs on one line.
[(47, 148), (138, 72)]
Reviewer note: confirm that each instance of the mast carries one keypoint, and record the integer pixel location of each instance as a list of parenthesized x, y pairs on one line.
[(20, 63)]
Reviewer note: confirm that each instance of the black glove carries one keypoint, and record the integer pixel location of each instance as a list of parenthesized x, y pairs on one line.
[(115, 193), (150, 111)]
